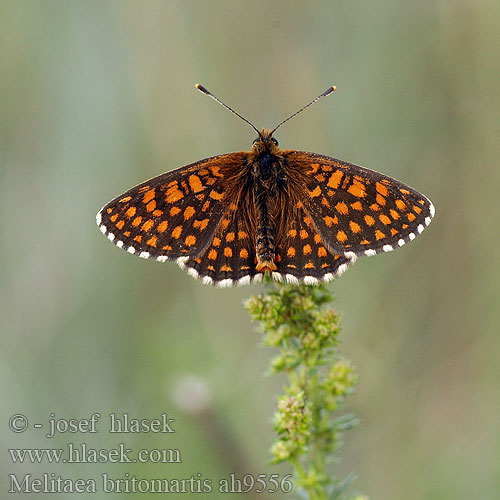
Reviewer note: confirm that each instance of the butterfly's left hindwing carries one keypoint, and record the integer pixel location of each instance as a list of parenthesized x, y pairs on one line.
[(358, 211), (176, 214), (302, 254)]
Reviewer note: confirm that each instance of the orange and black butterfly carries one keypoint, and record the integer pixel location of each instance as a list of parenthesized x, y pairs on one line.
[(295, 215)]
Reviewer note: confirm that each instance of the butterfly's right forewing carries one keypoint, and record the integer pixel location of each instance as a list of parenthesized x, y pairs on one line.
[(176, 214)]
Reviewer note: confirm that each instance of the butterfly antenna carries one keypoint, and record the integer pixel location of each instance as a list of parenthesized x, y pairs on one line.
[(324, 94), (201, 88)]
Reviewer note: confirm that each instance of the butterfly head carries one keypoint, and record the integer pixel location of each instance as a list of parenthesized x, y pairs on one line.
[(265, 143)]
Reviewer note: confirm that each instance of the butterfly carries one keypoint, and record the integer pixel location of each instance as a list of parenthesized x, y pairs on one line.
[(293, 215)]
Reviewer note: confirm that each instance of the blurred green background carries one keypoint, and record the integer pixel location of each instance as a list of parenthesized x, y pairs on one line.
[(97, 96)]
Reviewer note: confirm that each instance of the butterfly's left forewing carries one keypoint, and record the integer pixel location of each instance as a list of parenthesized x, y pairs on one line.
[(358, 211), (176, 214)]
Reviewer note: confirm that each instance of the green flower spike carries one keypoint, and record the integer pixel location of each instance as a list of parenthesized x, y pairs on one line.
[(309, 434)]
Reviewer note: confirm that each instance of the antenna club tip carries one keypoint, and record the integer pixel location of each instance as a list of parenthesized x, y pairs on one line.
[(201, 88), (328, 91)]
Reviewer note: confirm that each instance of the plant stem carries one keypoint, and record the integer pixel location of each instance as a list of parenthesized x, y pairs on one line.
[(293, 319)]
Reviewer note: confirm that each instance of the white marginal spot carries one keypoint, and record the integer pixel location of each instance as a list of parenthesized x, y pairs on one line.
[(207, 280), (181, 262), (103, 229), (411, 236), (119, 243), (224, 283), (432, 210), (427, 221), (350, 255), (370, 252), (328, 277), (144, 255), (420, 228), (162, 258), (310, 280), (111, 236), (98, 218), (192, 272), (277, 276), (342, 269), (245, 280), (131, 250), (387, 248), (290, 278), (258, 278), (401, 242)]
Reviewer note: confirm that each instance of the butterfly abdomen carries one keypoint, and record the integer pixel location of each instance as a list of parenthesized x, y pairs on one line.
[(264, 239), (267, 173)]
